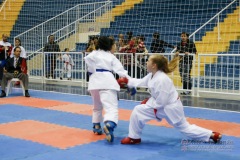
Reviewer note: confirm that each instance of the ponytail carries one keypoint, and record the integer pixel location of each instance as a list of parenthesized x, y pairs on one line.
[(173, 64), (163, 65)]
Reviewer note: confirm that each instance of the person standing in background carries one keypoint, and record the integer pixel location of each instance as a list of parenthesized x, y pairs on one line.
[(185, 64), (157, 45), (67, 64), (5, 51), (50, 58)]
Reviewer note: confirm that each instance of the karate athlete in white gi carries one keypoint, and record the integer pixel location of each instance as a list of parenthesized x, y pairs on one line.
[(103, 86), (67, 66), (164, 103)]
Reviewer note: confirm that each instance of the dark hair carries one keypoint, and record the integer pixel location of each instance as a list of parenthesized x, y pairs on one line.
[(130, 33), (105, 43), (142, 37), (95, 37), (92, 37), (51, 35), (17, 39), (111, 37), (185, 34), (16, 49), (156, 35), (66, 49)]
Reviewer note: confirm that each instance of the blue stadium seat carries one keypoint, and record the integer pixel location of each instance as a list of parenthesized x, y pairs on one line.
[(35, 12), (155, 15), (215, 83), (222, 70), (36, 72), (234, 47)]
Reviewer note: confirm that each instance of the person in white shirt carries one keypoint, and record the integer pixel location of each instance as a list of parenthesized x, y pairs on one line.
[(18, 44), (163, 103), (103, 85), (5, 51), (67, 64)]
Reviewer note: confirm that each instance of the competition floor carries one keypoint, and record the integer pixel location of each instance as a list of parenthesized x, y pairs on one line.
[(57, 126)]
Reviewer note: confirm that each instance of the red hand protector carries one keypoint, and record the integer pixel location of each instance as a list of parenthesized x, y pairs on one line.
[(144, 101), (122, 82)]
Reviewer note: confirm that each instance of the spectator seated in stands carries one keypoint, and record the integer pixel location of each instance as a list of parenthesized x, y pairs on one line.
[(15, 68), (90, 46), (121, 46), (132, 46), (141, 48)]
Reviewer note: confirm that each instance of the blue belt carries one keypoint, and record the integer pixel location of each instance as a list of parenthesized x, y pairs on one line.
[(99, 70), (102, 70)]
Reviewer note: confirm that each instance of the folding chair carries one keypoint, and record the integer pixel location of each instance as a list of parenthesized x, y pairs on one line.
[(10, 84)]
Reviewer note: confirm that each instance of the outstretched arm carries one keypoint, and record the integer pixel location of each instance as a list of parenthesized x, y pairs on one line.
[(118, 68)]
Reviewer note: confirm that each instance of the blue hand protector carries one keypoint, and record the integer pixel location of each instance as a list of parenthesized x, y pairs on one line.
[(131, 91)]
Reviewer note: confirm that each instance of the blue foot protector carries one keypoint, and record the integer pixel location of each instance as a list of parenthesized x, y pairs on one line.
[(97, 129), (108, 130)]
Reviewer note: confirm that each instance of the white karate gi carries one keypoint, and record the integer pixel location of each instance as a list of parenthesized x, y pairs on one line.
[(5, 44), (67, 65), (23, 52), (164, 98), (103, 85)]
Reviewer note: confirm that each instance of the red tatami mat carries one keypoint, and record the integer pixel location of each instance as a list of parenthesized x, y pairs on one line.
[(49, 134)]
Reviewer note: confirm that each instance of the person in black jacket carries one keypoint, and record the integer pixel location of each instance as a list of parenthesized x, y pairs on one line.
[(157, 45), (50, 58), (185, 64), (15, 69)]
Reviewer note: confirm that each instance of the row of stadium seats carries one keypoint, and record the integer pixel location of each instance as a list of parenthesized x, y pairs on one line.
[(173, 2), (234, 47), (222, 70), (214, 83), (154, 15), (230, 60), (35, 12), (170, 20)]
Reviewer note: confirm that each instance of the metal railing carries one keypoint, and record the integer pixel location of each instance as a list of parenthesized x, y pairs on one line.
[(63, 25), (39, 66), (218, 21), (221, 77), (3, 8), (192, 35)]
